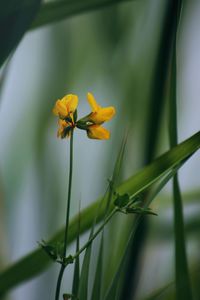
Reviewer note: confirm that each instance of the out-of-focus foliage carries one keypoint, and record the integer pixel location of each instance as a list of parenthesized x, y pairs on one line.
[(120, 51)]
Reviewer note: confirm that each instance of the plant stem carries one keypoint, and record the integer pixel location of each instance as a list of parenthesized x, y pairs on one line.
[(96, 233), (67, 219)]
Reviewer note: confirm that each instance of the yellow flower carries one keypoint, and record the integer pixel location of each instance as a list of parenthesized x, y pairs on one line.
[(65, 109), (66, 106), (98, 132), (99, 115), (64, 129)]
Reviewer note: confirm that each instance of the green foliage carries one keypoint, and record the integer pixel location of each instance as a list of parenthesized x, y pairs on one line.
[(56, 11), (97, 285), (183, 286), (122, 200), (54, 251), (83, 283), (76, 278), (112, 45), (37, 261)]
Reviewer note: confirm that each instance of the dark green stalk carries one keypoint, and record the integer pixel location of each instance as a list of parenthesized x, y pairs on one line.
[(67, 220), (183, 286), (153, 126)]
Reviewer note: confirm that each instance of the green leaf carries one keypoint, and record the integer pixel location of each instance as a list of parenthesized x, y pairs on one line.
[(53, 250), (96, 291), (183, 285), (58, 10), (111, 292), (76, 277), (37, 261), (122, 200), (83, 283), (162, 44), (116, 172), (15, 18)]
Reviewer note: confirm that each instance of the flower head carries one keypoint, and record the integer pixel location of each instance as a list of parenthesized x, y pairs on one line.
[(65, 109)]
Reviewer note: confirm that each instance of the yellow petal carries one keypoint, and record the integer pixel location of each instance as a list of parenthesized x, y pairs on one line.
[(71, 102), (98, 132), (94, 105), (102, 115), (65, 106), (60, 109)]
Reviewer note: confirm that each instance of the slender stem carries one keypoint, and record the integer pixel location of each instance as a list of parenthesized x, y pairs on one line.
[(67, 220), (69, 194), (60, 275), (96, 233)]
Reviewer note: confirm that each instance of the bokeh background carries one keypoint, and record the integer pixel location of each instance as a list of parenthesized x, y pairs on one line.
[(112, 53)]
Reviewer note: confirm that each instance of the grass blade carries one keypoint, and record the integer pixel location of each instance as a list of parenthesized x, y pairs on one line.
[(116, 172), (15, 18), (37, 261), (75, 285), (83, 284), (96, 291), (83, 288), (59, 10), (153, 125), (111, 292), (183, 285)]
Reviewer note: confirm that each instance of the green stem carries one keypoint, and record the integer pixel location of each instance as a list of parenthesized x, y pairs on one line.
[(60, 276), (96, 233)]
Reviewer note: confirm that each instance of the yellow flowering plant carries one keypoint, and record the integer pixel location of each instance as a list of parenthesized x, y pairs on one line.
[(66, 110)]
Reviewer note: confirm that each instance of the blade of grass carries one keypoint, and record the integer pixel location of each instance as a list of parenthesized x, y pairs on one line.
[(83, 284), (96, 291), (151, 137), (15, 18), (59, 10), (111, 292), (83, 288), (116, 172), (37, 261), (76, 278), (183, 285)]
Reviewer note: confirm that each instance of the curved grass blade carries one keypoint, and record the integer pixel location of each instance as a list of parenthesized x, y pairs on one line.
[(15, 18), (59, 10), (37, 261)]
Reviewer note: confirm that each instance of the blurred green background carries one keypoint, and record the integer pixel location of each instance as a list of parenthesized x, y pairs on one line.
[(113, 53)]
